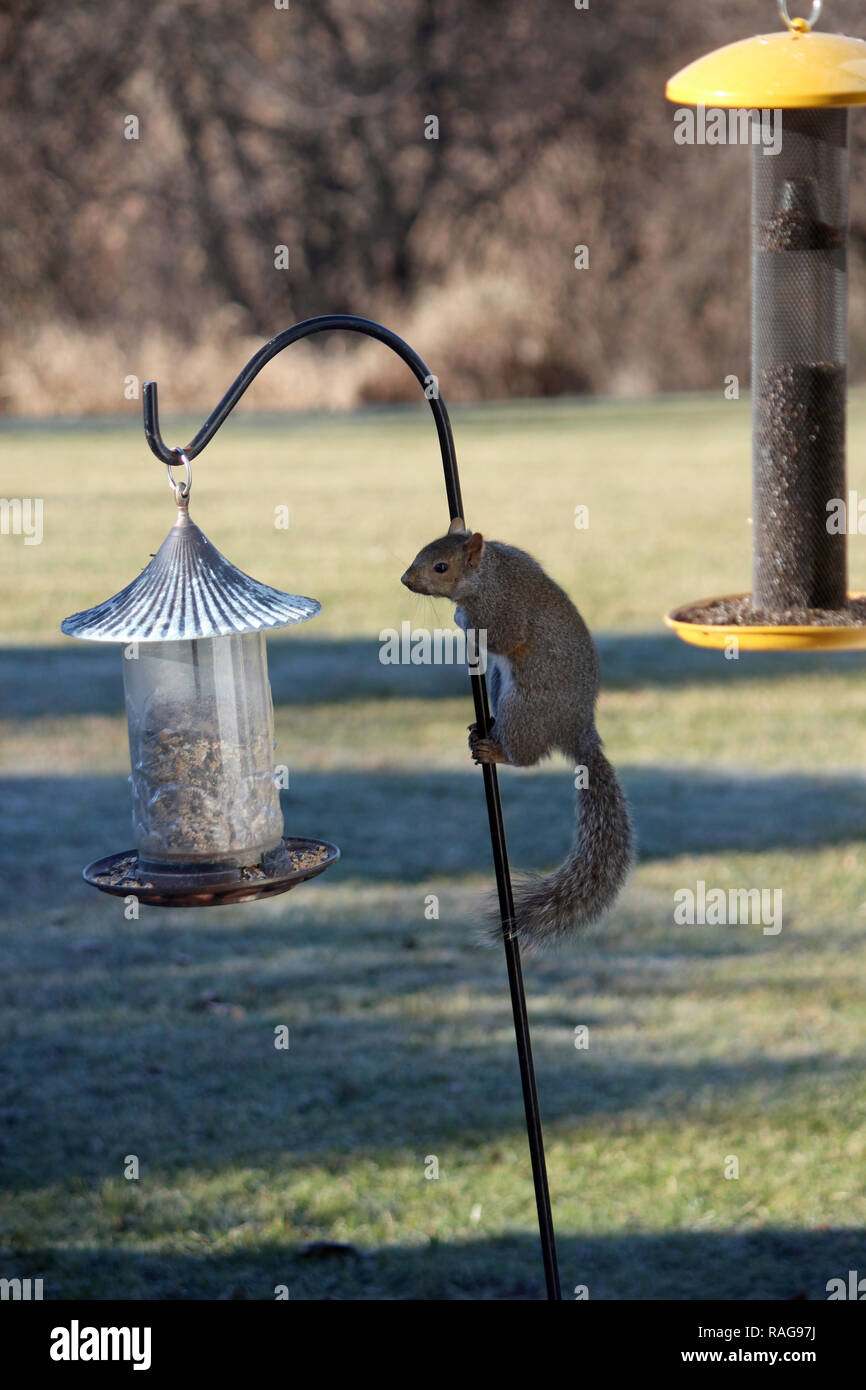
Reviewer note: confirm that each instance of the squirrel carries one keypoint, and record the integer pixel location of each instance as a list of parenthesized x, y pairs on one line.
[(543, 688)]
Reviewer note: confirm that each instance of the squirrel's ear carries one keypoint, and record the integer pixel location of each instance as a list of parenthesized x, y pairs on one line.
[(474, 547), (458, 524)]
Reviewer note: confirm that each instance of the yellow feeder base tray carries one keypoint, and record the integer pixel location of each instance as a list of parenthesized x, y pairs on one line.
[(763, 638)]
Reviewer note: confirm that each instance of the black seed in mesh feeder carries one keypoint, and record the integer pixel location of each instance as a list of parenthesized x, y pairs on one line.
[(799, 239), (799, 461)]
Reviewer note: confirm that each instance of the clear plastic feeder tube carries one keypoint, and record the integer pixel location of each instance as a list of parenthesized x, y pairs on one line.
[(799, 361), (201, 739)]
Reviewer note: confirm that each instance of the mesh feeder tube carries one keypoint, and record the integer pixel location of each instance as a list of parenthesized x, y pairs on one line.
[(799, 265), (799, 363)]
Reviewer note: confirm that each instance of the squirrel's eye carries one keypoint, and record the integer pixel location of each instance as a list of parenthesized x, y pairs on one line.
[(441, 567)]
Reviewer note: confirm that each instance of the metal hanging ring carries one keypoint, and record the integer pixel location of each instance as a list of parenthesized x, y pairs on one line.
[(801, 25), (180, 490)]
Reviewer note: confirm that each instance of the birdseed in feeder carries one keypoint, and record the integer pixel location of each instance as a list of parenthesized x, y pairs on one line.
[(797, 225), (201, 738), (739, 611), (799, 428), (200, 794)]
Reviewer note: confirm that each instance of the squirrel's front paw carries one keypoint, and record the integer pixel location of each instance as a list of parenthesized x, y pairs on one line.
[(484, 750)]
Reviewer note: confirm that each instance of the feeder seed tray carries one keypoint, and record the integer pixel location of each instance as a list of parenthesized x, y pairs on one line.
[(692, 624), (119, 875)]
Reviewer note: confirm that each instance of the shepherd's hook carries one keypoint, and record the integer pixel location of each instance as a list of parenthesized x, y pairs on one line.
[(323, 324)]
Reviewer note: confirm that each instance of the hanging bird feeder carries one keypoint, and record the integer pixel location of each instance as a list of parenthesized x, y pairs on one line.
[(206, 812), (799, 595)]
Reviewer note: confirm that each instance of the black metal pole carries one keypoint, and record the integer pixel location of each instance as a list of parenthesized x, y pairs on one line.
[(322, 324), (518, 1001)]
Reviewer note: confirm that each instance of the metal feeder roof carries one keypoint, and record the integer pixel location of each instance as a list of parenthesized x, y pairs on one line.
[(189, 590)]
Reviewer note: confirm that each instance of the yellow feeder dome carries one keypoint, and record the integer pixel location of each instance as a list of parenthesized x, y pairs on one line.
[(783, 71)]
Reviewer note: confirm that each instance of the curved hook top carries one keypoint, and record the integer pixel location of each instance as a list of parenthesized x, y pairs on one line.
[(323, 323)]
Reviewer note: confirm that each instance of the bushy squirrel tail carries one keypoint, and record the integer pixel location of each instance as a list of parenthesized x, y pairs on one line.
[(549, 907)]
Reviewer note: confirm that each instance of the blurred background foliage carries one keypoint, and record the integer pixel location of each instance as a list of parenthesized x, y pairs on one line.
[(305, 128)]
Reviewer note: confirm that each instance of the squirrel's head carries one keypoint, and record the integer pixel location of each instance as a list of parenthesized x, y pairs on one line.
[(447, 567)]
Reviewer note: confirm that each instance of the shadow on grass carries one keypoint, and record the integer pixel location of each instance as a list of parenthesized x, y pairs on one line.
[(407, 826), (82, 678), (155, 1036), (766, 1264), (196, 1094)]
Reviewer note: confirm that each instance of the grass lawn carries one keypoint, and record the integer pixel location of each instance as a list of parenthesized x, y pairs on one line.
[(155, 1037)]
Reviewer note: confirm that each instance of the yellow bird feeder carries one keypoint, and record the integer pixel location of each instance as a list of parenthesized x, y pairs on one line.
[(799, 596)]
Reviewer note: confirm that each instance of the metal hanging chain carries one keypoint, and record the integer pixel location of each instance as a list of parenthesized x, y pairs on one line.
[(801, 26), (325, 323)]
